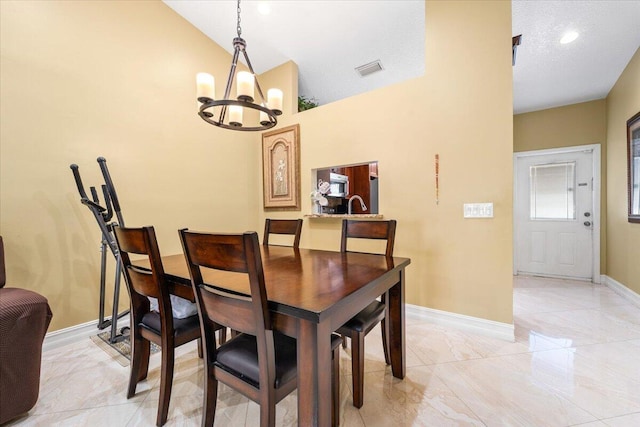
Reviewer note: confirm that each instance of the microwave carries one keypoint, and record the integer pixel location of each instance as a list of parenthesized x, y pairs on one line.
[(339, 185)]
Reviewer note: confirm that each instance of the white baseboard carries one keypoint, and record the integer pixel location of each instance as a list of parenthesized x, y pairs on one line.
[(491, 328), (485, 327), (622, 290), (73, 334), (504, 331)]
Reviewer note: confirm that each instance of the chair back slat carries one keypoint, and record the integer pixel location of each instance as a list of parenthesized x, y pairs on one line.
[(134, 240), (230, 310), (142, 281), (283, 226), (380, 230), (217, 251)]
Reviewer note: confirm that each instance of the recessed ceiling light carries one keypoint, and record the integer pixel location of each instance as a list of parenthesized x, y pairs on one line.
[(264, 8), (569, 37)]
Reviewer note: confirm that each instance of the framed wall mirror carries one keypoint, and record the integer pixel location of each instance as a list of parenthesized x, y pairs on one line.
[(633, 167), (352, 189)]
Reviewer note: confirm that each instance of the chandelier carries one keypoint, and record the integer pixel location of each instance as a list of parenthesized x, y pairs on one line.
[(228, 113)]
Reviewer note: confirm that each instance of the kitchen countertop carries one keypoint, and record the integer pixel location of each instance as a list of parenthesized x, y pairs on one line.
[(347, 216)]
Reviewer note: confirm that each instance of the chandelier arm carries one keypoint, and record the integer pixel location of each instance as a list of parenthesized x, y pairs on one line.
[(255, 79), (232, 71)]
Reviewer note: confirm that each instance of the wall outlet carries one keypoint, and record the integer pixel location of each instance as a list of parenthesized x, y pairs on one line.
[(478, 210)]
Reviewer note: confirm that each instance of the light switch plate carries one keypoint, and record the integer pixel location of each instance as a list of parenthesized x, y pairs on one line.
[(478, 210)]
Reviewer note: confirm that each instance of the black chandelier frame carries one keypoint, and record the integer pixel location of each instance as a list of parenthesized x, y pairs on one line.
[(208, 104)]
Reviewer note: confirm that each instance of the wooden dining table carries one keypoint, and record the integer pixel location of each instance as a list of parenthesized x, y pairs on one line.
[(311, 293)]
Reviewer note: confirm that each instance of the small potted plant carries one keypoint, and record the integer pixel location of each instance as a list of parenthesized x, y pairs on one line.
[(305, 103)]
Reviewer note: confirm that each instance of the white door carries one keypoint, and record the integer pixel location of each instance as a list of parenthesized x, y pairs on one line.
[(554, 214)]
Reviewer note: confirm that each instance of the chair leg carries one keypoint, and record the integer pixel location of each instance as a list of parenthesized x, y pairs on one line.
[(385, 342), (222, 333), (144, 360), (344, 341), (166, 381), (384, 327), (268, 411), (140, 352), (210, 397), (200, 354), (335, 387), (357, 368)]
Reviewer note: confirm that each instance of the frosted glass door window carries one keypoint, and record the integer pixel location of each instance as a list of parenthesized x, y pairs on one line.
[(552, 191)]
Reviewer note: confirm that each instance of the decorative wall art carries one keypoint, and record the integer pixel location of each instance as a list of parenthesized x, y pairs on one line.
[(281, 168)]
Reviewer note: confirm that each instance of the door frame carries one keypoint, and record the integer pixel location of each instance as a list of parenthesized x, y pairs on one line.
[(596, 165)]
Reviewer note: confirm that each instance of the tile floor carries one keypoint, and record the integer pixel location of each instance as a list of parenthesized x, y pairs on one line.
[(575, 361)]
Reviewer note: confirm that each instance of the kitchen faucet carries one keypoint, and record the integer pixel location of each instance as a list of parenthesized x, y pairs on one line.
[(362, 205)]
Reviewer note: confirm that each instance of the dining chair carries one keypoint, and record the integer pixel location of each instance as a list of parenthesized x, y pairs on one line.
[(283, 226), (259, 362), (363, 322), (148, 326)]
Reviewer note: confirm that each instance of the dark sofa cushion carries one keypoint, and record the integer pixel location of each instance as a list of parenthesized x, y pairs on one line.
[(24, 319)]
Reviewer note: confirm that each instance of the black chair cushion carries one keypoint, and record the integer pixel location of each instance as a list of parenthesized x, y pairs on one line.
[(239, 356), (365, 320), (151, 321)]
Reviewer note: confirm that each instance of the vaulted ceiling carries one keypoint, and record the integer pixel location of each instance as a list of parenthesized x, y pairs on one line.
[(329, 39)]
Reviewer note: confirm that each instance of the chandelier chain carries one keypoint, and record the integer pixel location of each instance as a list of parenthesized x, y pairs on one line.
[(239, 29)]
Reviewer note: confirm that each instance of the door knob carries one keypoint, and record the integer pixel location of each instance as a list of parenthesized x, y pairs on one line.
[(587, 214), (587, 223)]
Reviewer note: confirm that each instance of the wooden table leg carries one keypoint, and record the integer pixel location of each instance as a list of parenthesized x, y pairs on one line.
[(397, 350), (314, 374)]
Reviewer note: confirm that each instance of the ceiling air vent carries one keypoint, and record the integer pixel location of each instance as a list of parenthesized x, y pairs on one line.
[(370, 68)]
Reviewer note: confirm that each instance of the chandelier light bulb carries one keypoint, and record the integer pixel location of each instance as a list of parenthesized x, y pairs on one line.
[(235, 115), (244, 86), (205, 87), (274, 100)]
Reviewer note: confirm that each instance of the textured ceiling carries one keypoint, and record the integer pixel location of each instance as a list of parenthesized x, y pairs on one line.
[(329, 39), (550, 74)]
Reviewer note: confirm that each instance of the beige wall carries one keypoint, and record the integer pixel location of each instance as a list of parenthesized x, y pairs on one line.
[(568, 126), (84, 79), (577, 124), (115, 79), (623, 238), (458, 265)]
